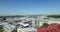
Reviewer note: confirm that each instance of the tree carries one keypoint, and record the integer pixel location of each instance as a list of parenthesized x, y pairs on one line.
[(4, 18), (45, 25)]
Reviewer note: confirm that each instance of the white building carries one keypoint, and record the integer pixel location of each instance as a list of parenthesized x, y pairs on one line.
[(26, 30), (8, 27)]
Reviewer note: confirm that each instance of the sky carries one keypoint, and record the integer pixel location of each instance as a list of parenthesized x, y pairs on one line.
[(29, 7)]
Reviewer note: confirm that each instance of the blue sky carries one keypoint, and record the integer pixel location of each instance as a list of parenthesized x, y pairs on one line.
[(28, 7)]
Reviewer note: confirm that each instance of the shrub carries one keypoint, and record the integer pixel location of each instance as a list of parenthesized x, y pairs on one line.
[(45, 25)]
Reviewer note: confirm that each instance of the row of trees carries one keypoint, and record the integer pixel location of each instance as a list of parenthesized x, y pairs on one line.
[(54, 16)]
